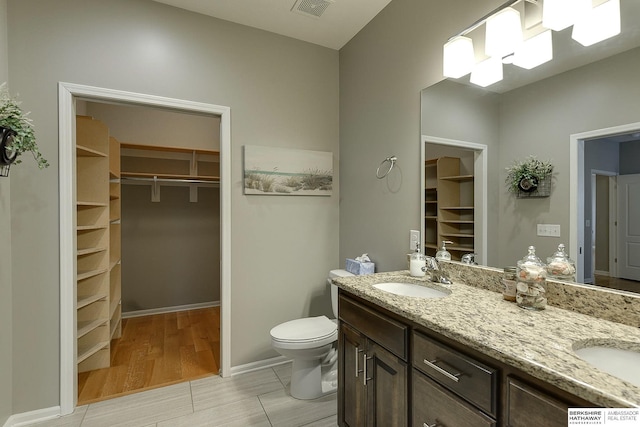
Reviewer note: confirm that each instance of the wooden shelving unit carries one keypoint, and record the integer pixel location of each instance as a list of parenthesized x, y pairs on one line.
[(449, 211), (98, 276), (115, 230), (92, 243)]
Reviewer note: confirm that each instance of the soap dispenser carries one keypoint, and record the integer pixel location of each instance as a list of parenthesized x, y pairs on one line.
[(443, 254), (417, 263)]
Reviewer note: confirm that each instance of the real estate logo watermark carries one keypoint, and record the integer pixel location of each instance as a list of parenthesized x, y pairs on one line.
[(623, 417)]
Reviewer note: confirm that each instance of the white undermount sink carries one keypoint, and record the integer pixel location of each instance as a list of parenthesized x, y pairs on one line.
[(613, 359), (411, 290)]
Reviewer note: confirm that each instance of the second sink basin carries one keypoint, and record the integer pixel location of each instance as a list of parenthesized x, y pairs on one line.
[(411, 290), (613, 359)]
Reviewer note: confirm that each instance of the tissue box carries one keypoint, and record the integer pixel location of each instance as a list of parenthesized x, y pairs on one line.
[(359, 268)]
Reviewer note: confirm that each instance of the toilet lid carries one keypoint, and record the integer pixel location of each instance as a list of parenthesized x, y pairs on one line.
[(307, 329)]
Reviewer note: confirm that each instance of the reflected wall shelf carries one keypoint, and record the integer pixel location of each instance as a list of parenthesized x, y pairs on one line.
[(449, 211)]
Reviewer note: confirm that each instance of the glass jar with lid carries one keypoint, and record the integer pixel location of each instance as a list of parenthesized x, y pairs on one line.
[(530, 287), (509, 280), (560, 266)]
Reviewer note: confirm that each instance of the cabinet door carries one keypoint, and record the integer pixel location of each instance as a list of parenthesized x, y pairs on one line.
[(351, 384), (528, 406), (387, 388)]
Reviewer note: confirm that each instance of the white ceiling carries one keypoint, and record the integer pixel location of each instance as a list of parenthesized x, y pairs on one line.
[(338, 24)]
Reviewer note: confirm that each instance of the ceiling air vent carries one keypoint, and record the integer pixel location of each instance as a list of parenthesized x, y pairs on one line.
[(311, 8)]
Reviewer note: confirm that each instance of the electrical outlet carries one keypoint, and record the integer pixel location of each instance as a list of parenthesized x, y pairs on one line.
[(548, 230), (414, 239)]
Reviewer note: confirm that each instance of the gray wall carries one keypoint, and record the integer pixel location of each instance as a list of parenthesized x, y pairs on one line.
[(6, 335), (382, 71), (170, 248), (282, 92), (538, 119), (629, 155)]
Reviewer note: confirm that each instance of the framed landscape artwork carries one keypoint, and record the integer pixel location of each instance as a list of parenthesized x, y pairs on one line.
[(287, 172)]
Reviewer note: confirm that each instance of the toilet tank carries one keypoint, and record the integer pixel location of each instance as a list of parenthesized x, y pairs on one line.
[(334, 289)]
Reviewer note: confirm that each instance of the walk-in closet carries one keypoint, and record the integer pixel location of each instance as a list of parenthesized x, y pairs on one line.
[(148, 248)]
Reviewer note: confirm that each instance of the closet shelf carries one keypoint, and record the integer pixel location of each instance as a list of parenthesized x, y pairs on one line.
[(457, 178), (85, 327), (129, 146), (85, 352), (87, 204), (84, 301), (89, 251), (463, 235), (164, 177), (113, 308), (457, 208), (82, 151), (90, 227), (114, 329), (82, 275), (457, 221)]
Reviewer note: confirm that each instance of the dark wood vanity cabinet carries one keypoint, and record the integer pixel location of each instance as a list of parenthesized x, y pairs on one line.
[(395, 373), (372, 368)]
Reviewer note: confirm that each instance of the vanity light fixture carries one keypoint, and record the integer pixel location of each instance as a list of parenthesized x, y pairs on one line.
[(487, 72), (458, 57), (534, 51), (560, 14), (504, 42), (598, 23), (503, 33)]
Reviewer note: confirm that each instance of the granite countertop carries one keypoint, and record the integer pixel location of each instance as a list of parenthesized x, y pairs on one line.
[(539, 343)]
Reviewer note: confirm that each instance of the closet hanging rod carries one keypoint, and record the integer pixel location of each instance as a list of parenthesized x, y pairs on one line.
[(177, 180)]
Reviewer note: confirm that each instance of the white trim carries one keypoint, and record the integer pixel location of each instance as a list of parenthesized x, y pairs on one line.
[(576, 188), (31, 417), (173, 309), (67, 93), (260, 364), (480, 188), (613, 226), (601, 273)]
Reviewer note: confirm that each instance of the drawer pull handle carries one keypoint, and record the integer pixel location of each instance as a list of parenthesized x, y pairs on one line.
[(364, 374), (432, 364), (358, 370)]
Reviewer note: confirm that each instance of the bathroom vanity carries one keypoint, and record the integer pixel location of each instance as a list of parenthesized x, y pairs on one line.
[(466, 359)]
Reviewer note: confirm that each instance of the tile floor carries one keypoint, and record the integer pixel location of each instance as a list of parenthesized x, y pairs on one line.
[(258, 398)]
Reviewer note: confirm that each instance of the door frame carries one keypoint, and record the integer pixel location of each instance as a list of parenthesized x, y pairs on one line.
[(612, 215), (576, 188), (67, 95), (480, 170)]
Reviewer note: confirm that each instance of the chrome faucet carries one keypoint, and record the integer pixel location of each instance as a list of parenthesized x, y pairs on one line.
[(432, 267)]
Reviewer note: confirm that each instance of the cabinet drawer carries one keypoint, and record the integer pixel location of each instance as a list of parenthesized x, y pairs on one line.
[(465, 376), (385, 331), (527, 406), (433, 405)]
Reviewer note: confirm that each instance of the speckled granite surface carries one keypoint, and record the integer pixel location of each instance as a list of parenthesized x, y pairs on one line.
[(610, 304), (539, 343)]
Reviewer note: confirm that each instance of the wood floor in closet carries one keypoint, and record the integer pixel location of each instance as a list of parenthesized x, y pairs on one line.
[(155, 351)]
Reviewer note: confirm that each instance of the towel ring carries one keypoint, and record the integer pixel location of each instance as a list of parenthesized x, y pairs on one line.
[(392, 161)]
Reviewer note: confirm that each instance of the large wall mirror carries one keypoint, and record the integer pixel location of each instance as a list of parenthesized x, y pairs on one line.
[(581, 111)]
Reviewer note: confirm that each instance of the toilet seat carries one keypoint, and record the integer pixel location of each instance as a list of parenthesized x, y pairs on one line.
[(305, 333)]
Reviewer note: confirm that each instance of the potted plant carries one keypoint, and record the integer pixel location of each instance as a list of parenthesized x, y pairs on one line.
[(16, 132), (530, 177)]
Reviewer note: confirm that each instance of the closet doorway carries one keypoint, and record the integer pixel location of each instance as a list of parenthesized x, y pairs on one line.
[(166, 283), (164, 270)]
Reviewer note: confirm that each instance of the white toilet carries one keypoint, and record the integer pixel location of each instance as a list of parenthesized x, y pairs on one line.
[(310, 343)]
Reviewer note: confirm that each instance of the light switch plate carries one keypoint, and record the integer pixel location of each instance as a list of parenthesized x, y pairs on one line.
[(548, 230), (414, 239)]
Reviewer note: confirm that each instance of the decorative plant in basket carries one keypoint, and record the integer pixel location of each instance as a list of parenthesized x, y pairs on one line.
[(16, 132), (528, 176)]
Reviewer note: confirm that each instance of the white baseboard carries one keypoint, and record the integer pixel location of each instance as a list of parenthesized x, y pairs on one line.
[(31, 417), (175, 308), (601, 273), (260, 364)]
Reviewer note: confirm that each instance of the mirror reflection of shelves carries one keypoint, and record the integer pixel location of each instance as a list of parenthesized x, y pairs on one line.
[(449, 207)]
